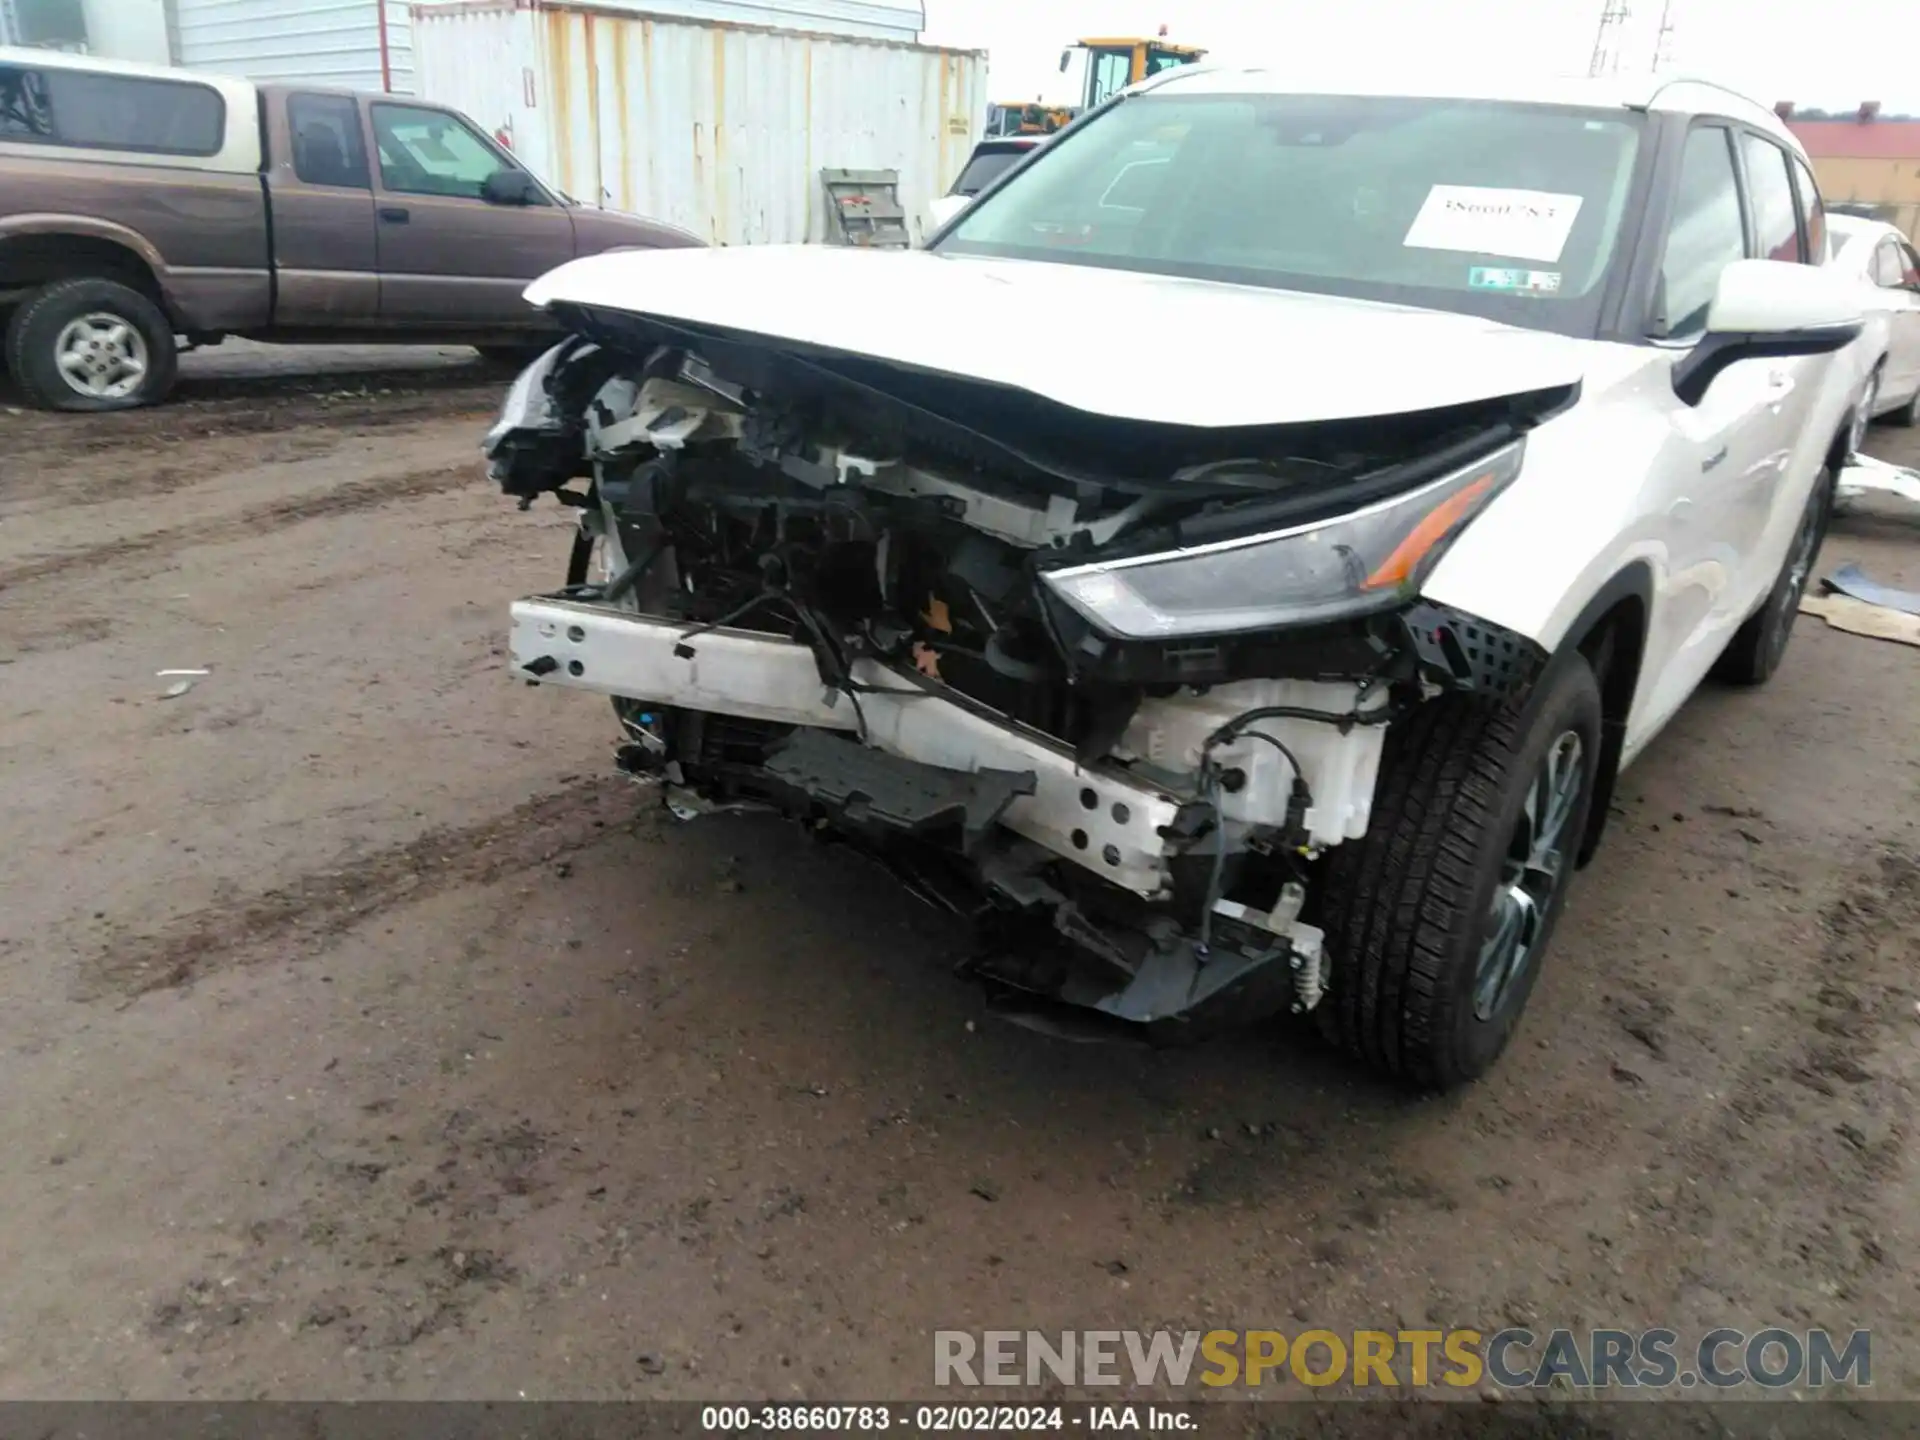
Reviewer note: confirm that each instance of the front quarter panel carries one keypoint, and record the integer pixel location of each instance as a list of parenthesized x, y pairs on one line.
[(1595, 495), (1616, 483)]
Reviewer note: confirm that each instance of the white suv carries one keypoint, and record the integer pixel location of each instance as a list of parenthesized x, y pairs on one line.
[(1275, 644)]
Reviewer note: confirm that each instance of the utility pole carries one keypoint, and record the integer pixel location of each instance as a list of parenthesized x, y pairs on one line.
[(1607, 39), (1663, 46)]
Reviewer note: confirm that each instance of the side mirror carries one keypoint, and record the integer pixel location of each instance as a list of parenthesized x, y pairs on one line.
[(1066, 57), (508, 187), (946, 207), (1769, 310)]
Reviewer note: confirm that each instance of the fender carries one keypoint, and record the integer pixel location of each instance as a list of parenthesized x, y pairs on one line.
[(92, 226), (1614, 648)]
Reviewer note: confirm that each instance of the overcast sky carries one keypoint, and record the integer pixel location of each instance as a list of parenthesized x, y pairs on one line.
[(1832, 54)]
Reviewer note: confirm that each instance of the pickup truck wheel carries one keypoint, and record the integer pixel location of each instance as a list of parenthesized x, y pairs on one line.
[(1757, 647), (88, 344), (1437, 919)]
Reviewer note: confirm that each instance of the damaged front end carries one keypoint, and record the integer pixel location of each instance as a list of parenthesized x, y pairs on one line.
[(1105, 689)]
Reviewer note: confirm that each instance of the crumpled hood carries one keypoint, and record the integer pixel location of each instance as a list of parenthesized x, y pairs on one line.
[(1107, 342)]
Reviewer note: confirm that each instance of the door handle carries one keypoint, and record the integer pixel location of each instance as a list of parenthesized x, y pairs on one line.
[(394, 214)]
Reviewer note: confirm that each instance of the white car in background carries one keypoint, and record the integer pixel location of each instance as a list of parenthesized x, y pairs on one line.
[(1275, 646), (1883, 265)]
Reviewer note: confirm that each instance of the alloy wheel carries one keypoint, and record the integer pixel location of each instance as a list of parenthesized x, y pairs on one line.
[(102, 356), (1538, 858)]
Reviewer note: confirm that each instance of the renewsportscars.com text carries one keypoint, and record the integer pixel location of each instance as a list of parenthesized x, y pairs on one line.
[(1719, 1359)]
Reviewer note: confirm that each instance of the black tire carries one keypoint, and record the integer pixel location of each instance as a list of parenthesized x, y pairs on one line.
[(1758, 646), (1908, 414), (34, 337), (1409, 908)]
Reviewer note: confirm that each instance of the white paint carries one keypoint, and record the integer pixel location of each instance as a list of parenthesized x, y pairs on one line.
[(1893, 312), (1484, 220), (1174, 734), (721, 130), (1767, 297), (1294, 356)]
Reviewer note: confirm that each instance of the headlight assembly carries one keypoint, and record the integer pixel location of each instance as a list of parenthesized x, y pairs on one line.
[(1369, 559), (527, 406)]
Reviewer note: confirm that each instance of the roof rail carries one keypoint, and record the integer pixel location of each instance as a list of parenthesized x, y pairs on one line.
[(1721, 86), (1175, 72)]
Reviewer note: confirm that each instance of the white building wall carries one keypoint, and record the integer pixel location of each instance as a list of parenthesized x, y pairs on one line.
[(314, 42), (127, 29)]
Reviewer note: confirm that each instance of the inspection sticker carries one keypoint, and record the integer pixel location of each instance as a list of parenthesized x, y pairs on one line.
[(1538, 282), (1481, 220)]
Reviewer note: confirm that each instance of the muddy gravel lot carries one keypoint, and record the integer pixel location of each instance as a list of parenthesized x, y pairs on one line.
[(361, 1036)]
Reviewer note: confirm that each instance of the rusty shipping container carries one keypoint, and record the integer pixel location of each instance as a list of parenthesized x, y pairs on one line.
[(719, 128)]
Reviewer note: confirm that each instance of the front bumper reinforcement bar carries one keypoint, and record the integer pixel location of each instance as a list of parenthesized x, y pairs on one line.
[(1107, 822)]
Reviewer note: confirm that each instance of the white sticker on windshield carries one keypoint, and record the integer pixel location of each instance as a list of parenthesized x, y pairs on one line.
[(1479, 220)]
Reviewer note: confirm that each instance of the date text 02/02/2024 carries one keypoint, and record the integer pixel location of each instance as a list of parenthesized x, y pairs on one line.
[(946, 1419)]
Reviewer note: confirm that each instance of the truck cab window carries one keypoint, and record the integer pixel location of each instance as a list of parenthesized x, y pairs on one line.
[(24, 111), (1112, 73), (327, 144), (111, 112), (431, 152)]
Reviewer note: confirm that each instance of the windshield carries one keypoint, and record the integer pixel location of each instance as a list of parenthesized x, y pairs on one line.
[(1508, 211), (986, 167)]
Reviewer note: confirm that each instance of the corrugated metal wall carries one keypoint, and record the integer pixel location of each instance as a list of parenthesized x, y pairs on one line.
[(318, 42), (870, 19), (720, 129), (479, 58)]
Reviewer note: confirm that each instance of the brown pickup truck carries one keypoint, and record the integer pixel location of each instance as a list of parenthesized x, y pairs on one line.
[(141, 208)]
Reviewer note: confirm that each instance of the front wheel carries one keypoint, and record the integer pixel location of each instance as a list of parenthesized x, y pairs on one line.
[(89, 344), (1909, 413), (1758, 646), (1439, 917)]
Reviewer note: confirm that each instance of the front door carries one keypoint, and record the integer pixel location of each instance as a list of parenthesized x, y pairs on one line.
[(447, 254), (1770, 514), (325, 255), (1727, 451)]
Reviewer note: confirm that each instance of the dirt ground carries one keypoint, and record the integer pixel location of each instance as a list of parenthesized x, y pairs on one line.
[(361, 1036)]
